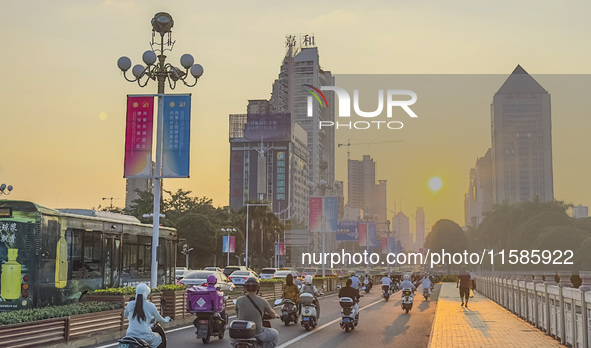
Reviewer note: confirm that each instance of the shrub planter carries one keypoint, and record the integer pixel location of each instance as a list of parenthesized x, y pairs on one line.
[(176, 304), (34, 334), (84, 325)]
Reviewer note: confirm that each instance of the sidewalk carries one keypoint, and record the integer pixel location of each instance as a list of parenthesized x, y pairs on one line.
[(483, 324)]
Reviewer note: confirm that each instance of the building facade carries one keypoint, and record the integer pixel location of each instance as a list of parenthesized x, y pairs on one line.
[(479, 198), (521, 141)]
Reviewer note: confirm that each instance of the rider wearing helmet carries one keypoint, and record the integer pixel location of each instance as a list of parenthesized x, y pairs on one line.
[(251, 307), (311, 289), (407, 284), (140, 313), (221, 303)]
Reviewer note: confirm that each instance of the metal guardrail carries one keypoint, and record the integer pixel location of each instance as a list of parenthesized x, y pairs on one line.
[(558, 309)]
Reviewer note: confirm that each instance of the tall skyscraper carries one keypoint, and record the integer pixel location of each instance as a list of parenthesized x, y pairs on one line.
[(479, 198), (301, 67), (361, 184), (521, 141), (381, 200), (401, 228), (268, 157), (420, 232), (309, 151)]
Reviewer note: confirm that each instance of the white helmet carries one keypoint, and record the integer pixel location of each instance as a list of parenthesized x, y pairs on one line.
[(308, 280), (406, 277)]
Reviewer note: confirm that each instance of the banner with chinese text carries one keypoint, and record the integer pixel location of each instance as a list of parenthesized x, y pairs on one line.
[(176, 136), (138, 137)]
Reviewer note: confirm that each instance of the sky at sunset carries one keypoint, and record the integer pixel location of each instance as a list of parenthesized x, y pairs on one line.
[(63, 97)]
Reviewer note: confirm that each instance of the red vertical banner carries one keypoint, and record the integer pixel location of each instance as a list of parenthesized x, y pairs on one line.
[(232, 244), (138, 137), (384, 245), (315, 218), (362, 234), (281, 248)]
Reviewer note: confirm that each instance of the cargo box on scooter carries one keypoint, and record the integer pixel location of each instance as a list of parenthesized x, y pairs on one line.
[(346, 302), (200, 299), (242, 329), (306, 299)]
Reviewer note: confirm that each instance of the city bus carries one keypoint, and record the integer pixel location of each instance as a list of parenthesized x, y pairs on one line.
[(52, 257)]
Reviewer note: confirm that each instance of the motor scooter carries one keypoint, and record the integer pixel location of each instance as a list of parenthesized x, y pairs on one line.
[(244, 331), (308, 311), (289, 311), (386, 292), (407, 300)]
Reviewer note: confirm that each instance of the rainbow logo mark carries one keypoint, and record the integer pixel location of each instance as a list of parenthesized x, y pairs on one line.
[(318, 95)]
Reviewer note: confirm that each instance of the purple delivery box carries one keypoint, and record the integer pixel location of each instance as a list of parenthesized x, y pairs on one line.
[(202, 299)]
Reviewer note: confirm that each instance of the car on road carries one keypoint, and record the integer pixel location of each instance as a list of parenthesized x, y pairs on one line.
[(283, 274), (267, 273), (239, 277), (199, 278), (231, 269), (179, 273), (217, 269), (309, 271)]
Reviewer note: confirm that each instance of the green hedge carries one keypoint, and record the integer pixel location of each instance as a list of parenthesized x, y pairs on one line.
[(28, 315), (126, 290), (162, 288), (263, 281), (449, 278)]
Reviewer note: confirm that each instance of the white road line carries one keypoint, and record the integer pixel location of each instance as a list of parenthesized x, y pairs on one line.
[(290, 342)]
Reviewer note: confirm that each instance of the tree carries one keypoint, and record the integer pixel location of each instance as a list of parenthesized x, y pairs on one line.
[(446, 235)]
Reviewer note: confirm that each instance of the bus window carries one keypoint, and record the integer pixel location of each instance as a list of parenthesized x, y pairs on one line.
[(92, 255), (76, 253)]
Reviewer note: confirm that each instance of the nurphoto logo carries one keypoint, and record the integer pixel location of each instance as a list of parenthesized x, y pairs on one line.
[(392, 97)]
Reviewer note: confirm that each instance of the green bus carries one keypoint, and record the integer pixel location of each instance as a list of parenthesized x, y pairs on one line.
[(54, 256)]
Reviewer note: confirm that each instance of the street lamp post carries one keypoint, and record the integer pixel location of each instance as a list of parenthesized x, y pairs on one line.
[(186, 252), (3, 189), (228, 250), (158, 70), (248, 205)]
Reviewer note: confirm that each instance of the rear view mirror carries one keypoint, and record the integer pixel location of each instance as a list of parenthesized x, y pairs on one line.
[(234, 302), (278, 302), (339, 286)]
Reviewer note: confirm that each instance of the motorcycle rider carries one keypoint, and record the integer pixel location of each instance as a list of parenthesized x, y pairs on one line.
[(251, 307), (426, 284), (291, 291), (407, 284), (311, 289), (211, 286), (355, 282), (350, 291), (386, 282), (140, 313)]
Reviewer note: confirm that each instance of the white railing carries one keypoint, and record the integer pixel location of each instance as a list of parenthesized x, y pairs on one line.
[(559, 309)]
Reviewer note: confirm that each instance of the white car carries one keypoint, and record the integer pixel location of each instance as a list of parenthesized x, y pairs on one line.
[(283, 274), (268, 273), (199, 278), (239, 277), (214, 269)]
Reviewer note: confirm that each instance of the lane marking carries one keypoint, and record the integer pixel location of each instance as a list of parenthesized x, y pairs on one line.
[(294, 340), (190, 326)]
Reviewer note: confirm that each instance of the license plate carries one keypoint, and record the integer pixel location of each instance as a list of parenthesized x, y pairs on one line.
[(123, 345), (306, 318), (285, 313), (346, 320)]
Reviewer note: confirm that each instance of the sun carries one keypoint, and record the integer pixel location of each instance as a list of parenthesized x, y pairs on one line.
[(435, 184)]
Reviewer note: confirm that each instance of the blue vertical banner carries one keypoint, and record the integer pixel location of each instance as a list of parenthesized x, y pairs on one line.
[(372, 235), (225, 244), (176, 136), (331, 214)]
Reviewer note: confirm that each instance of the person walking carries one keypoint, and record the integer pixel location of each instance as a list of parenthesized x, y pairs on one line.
[(464, 285)]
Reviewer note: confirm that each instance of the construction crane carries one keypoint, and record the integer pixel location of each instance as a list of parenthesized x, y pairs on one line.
[(348, 145)]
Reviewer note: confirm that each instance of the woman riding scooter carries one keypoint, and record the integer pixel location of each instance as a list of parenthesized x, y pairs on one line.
[(140, 313)]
